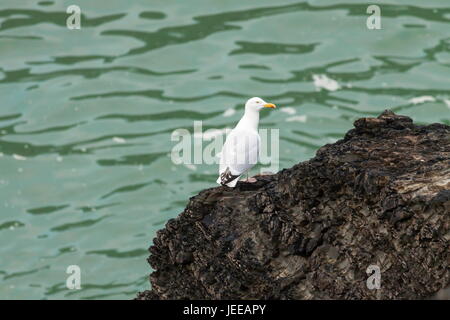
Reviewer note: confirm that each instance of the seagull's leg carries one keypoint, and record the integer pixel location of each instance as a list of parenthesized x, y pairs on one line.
[(253, 180)]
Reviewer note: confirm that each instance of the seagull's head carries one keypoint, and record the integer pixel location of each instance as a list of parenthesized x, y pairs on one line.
[(257, 104)]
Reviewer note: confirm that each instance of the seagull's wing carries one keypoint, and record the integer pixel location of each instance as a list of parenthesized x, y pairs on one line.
[(240, 152)]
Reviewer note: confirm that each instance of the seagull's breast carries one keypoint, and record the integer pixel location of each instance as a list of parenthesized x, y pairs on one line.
[(240, 151)]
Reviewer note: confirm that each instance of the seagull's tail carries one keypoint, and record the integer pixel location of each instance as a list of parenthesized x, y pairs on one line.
[(230, 184), (233, 183), (226, 178)]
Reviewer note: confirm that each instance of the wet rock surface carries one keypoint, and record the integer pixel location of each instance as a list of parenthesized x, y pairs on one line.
[(380, 196)]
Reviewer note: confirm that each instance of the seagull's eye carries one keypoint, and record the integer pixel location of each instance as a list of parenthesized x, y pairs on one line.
[(258, 101)]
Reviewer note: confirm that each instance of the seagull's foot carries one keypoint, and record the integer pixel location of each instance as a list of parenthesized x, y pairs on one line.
[(249, 180), (265, 173)]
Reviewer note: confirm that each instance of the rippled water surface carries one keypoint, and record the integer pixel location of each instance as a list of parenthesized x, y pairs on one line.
[(86, 115)]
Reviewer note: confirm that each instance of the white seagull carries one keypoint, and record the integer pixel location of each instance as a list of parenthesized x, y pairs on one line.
[(240, 151)]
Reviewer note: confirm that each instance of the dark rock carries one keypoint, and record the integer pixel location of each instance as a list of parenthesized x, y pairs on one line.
[(380, 196)]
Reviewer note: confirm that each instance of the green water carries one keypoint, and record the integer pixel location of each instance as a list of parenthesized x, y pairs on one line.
[(86, 115)]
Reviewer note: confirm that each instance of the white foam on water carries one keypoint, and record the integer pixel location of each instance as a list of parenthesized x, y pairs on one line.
[(288, 110), (321, 81), (229, 112), (302, 118), (447, 103), (19, 157), (192, 167), (119, 140), (422, 99)]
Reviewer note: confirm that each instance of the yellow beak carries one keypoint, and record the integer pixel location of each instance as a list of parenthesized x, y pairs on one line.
[(270, 105)]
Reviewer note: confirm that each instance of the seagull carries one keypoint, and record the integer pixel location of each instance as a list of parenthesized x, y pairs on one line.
[(240, 152)]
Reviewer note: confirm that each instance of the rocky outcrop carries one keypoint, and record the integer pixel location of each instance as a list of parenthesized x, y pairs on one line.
[(380, 196)]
